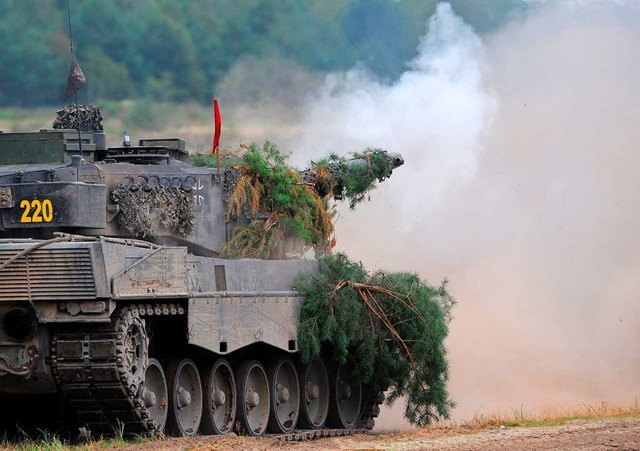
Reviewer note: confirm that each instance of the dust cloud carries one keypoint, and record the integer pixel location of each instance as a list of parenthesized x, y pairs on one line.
[(520, 186)]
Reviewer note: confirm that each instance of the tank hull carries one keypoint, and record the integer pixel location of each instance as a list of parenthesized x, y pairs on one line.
[(228, 304), (82, 317)]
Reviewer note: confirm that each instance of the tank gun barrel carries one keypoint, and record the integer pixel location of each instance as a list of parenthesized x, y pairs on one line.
[(397, 159), (363, 163), (352, 178)]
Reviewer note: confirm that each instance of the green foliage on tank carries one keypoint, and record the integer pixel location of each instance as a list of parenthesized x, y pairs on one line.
[(391, 325), (285, 211)]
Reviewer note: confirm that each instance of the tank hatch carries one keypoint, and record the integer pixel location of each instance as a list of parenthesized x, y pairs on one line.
[(150, 151)]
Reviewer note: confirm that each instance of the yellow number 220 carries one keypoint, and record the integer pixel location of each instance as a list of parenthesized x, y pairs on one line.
[(36, 211)]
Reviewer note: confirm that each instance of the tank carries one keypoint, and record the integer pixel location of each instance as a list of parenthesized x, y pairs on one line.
[(118, 315)]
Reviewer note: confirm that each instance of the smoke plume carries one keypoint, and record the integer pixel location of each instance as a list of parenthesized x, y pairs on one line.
[(520, 186)]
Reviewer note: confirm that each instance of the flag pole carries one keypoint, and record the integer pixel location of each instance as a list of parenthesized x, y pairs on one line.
[(75, 94)]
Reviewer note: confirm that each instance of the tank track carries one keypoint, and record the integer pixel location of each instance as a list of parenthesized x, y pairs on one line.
[(303, 435), (370, 410), (89, 367)]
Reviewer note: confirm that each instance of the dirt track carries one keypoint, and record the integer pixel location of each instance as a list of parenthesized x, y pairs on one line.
[(602, 434)]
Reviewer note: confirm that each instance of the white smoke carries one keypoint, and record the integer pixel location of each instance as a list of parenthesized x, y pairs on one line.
[(520, 185), (434, 114)]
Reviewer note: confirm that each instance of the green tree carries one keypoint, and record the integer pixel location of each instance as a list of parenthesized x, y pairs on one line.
[(206, 25), (180, 49), (109, 80), (35, 56), (379, 31)]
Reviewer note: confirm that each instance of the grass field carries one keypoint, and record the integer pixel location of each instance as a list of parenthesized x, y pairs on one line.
[(517, 417), (553, 417)]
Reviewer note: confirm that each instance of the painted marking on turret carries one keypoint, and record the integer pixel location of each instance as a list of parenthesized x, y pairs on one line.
[(198, 197)]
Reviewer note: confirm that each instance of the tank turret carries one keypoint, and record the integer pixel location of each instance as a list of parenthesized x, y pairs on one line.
[(53, 181)]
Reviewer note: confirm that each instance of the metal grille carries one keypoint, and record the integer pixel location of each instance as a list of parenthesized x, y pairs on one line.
[(47, 274)]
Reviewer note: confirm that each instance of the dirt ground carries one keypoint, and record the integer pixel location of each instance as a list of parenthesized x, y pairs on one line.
[(600, 434)]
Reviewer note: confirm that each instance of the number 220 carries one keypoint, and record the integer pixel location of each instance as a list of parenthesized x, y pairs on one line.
[(36, 211)]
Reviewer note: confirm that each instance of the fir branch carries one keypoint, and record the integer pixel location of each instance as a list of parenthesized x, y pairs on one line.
[(267, 189), (392, 327)]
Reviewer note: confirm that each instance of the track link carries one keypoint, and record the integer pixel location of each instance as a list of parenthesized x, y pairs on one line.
[(303, 435), (91, 371), (370, 410)]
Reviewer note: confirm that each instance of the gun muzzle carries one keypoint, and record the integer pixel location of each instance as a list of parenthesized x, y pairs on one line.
[(397, 159)]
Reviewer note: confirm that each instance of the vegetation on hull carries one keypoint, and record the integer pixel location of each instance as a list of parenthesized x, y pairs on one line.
[(391, 326)]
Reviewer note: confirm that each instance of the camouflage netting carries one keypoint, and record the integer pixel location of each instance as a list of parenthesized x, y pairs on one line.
[(85, 118), (391, 326), (144, 212)]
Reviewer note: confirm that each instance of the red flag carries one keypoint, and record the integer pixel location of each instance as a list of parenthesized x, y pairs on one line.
[(217, 121)]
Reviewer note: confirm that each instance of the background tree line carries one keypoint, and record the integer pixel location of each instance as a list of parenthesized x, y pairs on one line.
[(175, 50)]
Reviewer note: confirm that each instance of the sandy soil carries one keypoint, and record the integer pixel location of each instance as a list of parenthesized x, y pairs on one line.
[(601, 434)]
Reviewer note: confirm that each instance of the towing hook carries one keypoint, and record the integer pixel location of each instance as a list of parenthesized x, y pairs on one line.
[(16, 370)]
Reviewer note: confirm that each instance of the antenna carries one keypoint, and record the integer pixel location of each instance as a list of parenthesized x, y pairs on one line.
[(69, 19), (75, 94)]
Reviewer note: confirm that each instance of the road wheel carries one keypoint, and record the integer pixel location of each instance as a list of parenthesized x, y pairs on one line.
[(219, 411), (346, 398), (252, 388), (154, 394), (185, 399), (314, 387), (285, 396)]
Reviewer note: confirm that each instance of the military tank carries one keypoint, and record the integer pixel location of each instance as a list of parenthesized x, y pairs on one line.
[(118, 314)]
